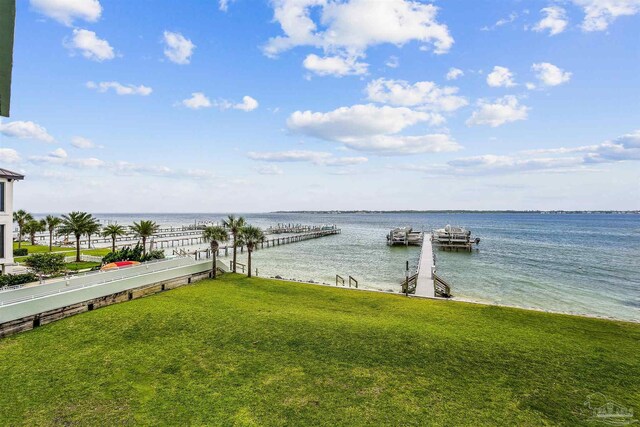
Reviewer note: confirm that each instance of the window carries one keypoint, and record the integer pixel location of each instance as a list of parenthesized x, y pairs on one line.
[(1, 196), (1, 241)]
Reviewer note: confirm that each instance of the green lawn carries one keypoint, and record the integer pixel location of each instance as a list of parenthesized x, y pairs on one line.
[(82, 265), (240, 351), (34, 249)]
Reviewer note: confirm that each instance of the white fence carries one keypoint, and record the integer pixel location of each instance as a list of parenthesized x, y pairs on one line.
[(87, 258)]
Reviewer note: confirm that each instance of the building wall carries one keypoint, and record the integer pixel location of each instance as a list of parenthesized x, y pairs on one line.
[(6, 219)]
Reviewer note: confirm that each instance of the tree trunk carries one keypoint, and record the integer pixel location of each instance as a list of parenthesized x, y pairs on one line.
[(249, 250), (113, 243), (50, 240), (19, 236), (214, 253), (235, 247), (32, 237), (78, 247), (89, 241), (144, 246)]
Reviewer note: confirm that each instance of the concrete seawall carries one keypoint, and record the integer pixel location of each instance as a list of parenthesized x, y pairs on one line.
[(29, 307)]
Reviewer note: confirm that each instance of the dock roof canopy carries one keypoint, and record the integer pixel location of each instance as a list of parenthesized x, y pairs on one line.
[(7, 174), (7, 24)]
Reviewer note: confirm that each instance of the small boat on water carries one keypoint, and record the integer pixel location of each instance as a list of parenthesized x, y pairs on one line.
[(454, 238), (404, 236)]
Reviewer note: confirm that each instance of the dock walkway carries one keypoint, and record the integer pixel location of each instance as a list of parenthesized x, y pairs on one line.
[(426, 265)]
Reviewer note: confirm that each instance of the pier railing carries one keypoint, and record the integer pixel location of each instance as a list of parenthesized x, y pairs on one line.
[(442, 288), (354, 281), (409, 284)]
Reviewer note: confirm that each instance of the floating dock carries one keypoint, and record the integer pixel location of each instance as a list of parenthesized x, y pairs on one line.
[(404, 236), (454, 238)]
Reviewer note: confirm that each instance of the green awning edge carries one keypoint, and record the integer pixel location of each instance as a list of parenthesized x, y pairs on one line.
[(7, 26)]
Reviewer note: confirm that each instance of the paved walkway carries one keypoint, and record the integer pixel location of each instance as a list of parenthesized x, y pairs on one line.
[(424, 284)]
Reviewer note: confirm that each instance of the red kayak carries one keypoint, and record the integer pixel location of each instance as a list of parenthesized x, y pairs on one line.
[(119, 264)]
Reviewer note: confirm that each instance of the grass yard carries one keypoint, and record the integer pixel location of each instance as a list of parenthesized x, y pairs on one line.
[(70, 251), (96, 252), (82, 265), (246, 352), (36, 249)]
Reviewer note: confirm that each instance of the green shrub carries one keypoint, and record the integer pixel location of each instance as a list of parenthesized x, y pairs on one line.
[(21, 252), (46, 263), (131, 254), (16, 279)]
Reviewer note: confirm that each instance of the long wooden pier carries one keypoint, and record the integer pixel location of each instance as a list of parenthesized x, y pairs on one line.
[(426, 267), (267, 242), (428, 283)]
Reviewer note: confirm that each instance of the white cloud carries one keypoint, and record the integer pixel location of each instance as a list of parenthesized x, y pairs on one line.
[(247, 104), (392, 62), (9, 155), (358, 121), (25, 130), (426, 95), (400, 145), (59, 153), (224, 4), (493, 164), (563, 159), (504, 21), (270, 170), (90, 45), (550, 75), (82, 143), (555, 20), (90, 162), (178, 48), (66, 11), (500, 77), (198, 100), (530, 86), (348, 28), (625, 147), (454, 73), (120, 89), (315, 157), (334, 65), (373, 129), (600, 13), (503, 110), (59, 157)]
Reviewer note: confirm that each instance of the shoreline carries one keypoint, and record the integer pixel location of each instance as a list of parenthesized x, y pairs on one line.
[(461, 300)]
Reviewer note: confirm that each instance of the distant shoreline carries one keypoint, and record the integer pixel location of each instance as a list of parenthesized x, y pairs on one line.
[(612, 212)]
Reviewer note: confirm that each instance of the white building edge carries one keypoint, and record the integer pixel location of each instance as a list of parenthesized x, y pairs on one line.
[(7, 178)]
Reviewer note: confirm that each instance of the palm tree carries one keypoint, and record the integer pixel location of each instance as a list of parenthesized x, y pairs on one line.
[(52, 222), (92, 228), (250, 236), (234, 225), (113, 231), (214, 234), (21, 217), (76, 223), (32, 227), (143, 230)]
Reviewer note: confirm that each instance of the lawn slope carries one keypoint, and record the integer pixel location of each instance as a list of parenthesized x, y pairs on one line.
[(240, 351)]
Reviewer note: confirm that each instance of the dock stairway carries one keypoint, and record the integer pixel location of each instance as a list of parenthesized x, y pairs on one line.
[(352, 281), (442, 288)]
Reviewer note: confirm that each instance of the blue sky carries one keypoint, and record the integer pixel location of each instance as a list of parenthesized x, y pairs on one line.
[(200, 106)]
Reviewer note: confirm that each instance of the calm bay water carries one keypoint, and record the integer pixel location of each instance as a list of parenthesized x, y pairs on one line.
[(577, 263)]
